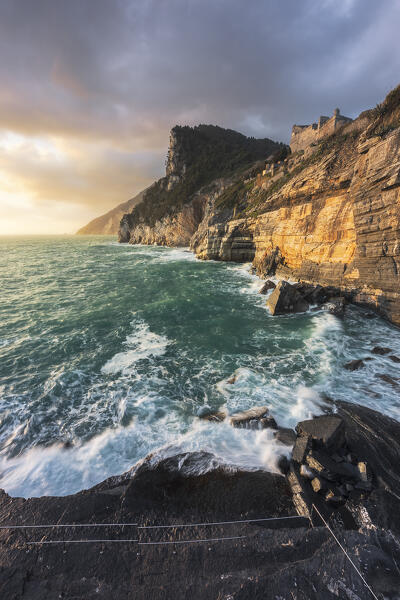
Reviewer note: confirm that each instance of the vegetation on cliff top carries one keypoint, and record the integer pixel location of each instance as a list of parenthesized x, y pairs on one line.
[(386, 116), (209, 152)]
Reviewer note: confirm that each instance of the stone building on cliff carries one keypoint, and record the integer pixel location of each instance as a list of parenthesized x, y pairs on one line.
[(305, 135)]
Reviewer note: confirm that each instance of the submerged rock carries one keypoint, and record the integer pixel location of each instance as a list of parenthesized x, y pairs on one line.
[(286, 299), (387, 379), (380, 350), (354, 365), (394, 358), (216, 416)]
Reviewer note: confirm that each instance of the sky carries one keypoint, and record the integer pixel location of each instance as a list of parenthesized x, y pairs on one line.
[(89, 89)]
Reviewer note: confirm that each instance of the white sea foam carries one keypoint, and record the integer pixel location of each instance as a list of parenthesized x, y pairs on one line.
[(236, 447), (326, 341), (174, 255), (142, 344), (146, 397), (308, 404), (56, 470)]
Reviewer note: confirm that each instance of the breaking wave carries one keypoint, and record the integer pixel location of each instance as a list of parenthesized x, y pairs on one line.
[(109, 353)]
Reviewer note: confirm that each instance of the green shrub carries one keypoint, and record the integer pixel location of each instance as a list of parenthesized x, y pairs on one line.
[(210, 152)]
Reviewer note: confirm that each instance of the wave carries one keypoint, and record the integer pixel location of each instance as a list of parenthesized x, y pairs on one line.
[(142, 344), (56, 470)]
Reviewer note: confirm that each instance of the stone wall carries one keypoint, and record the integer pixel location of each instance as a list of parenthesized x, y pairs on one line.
[(305, 135)]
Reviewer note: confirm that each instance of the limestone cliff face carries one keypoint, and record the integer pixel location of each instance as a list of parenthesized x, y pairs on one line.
[(173, 230), (176, 166), (328, 215), (200, 164), (334, 220)]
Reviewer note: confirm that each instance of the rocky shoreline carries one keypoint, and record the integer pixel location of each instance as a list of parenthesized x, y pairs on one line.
[(345, 463), (326, 215)]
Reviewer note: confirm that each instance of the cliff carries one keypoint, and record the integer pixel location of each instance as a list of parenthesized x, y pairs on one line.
[(200, 163), (328, 214), (109, 223), (330, 217)]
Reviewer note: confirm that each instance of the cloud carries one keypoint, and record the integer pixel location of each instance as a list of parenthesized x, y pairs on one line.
[(103, 82)]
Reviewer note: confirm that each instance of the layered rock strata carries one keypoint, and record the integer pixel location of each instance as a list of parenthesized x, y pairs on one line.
[(335, 220), (329, 216)]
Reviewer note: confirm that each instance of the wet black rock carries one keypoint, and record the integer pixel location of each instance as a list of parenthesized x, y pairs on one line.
[(255, 418), (268, 286), (354, 365), (380, 350), (215, 416), (286, 299), (327, 430), (387, 379), (272, 560), (394, 358), (283, 465), (286, 436), (336, 306)]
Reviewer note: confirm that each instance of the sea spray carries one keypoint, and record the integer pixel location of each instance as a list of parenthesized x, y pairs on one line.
[(108, 352)]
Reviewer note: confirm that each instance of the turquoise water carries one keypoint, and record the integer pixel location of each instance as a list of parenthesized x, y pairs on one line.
[(115, 349)]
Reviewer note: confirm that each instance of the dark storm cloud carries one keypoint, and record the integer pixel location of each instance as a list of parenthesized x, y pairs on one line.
[(120, 73)]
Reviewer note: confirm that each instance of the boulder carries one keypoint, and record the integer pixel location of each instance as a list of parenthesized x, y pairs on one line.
[(354, 365), (216, 416), (334, 500), (286, 436), (254, 418), (314, 294), (325, 430), (286, 299), (301, 448), (268, 285), (319, 485), (380, 350), (336, 306), (321, 462), (394, 359)]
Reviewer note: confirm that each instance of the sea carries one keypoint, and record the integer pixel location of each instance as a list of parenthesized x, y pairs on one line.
[(109, 352)]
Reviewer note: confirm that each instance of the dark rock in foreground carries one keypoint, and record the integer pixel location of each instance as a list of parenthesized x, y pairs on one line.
[(285, 436), (283, 558)]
